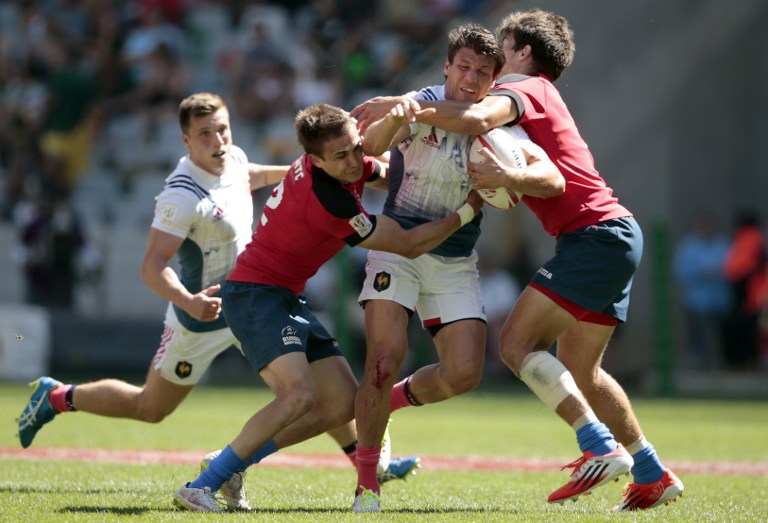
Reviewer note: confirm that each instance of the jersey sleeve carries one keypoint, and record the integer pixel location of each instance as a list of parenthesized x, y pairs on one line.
[(371, 169), (516, 98), (175, 213)]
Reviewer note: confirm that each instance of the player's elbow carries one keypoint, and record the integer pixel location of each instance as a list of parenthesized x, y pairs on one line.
[(557, 184)]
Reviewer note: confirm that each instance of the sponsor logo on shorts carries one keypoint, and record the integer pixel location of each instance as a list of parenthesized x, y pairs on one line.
[(361, 224), (544, 272), (381, 281), (290, 336), (183, 369)]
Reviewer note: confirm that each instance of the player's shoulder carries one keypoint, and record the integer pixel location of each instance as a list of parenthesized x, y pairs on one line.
[(431, 93), (182, 183)]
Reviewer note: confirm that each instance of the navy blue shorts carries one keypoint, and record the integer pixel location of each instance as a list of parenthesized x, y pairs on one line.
[(270, 321), (593, 268)]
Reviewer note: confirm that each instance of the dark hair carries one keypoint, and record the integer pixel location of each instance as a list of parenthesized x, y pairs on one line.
[(319, 123), (478, 39), (198, 104), (549, 36)]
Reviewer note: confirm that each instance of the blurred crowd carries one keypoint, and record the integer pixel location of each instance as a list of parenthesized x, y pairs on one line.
[(723, 282), (89, 91)]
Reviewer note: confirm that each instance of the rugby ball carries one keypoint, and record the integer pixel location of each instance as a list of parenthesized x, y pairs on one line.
[(504, 143)]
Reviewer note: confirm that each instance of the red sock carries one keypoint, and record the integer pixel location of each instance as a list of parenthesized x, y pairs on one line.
[(58, 398), (367, 459), (401, 396)]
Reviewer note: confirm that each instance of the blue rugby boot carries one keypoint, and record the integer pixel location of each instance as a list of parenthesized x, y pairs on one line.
[(38, 411), (400, 468)]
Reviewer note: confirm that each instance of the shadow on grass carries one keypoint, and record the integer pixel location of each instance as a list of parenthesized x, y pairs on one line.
[(118, 511), (137, 511)]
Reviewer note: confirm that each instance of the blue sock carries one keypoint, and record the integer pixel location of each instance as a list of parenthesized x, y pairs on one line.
[(268, 448), (647, 468), (219, 470), (596, 438)]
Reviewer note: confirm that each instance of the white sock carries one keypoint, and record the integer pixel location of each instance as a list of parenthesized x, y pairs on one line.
[(637, 446)]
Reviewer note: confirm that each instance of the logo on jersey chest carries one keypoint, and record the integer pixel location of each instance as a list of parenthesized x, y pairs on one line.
[(218, 214), (431, 140), (381, 281)]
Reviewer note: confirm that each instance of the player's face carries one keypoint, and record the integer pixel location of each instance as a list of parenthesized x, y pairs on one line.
[(469, 77), (209, 141), (343, 157)]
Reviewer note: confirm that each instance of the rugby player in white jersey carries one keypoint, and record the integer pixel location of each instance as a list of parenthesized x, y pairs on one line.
[(442, 285), (204, 216)]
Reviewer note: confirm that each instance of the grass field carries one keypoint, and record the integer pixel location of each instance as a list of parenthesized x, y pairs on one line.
[(718, 448)]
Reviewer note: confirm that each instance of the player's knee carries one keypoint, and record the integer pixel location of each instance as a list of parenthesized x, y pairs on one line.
[(153, 415), (298, 400), (383, 371), (465, 381)]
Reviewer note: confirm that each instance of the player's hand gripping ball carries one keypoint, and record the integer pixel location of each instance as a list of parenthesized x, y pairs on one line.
[(503, 142)]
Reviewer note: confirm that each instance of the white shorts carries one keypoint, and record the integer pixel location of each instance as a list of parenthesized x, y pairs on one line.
[(441, 290), (184, 356)]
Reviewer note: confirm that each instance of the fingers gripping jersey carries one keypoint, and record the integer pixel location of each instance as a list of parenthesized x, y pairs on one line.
[(433, 181), (214, 215), (307, 220)]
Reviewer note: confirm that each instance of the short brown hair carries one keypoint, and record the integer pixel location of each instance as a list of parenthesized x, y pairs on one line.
[(478, 39), (198, 104), (319, 123), (549, 36)]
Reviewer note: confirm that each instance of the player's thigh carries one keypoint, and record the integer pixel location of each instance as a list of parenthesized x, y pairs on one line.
[(334, 381), (386, 328), (461, 347), (534, 323), (289, 375), (581, 347), (160, 397)]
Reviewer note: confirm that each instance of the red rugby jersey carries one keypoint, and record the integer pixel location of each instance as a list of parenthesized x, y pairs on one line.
[(545, 117), (307, 220)]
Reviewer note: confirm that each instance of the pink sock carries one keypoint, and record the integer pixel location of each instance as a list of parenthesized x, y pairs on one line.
[(58, 398), (367, 459), (401, 396)]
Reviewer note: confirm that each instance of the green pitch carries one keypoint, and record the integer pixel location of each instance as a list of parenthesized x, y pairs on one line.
[(694, 434)]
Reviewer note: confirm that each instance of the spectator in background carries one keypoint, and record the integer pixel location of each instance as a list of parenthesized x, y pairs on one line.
[(698, 268), (49, 244), (746, 269), (67, 131)]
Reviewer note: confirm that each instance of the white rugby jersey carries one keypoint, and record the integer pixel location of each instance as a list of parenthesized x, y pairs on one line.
[(435, 181), (431, 181), (214, 215)]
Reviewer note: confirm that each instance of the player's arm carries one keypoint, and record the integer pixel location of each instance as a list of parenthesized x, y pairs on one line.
[(469, 118), (389, 236), (451, 115), (163, 280), (540, 178), (262, 175), (392, 128)]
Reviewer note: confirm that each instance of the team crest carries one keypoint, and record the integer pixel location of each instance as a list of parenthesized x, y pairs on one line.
[(381, 281), (183, 369), (361, 224), (290, 336)]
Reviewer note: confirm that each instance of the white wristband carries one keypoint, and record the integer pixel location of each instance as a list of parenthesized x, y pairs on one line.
[(466, 214)]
